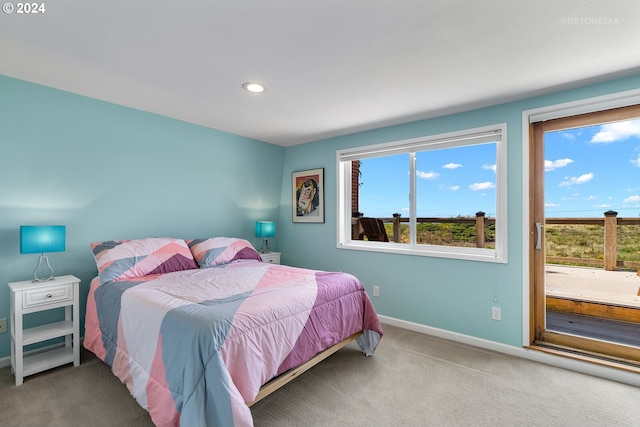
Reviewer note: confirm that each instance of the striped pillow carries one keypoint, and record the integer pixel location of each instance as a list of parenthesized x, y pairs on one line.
[(126, 259), (221, 250)]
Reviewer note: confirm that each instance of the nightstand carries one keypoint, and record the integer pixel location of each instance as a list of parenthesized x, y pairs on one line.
[(32, 297), (270, 257)]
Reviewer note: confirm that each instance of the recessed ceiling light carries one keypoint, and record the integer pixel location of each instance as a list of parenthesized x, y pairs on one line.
[(254, 87)]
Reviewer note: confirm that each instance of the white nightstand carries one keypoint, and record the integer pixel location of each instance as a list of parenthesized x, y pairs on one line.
[(32, 297), (270, 257)]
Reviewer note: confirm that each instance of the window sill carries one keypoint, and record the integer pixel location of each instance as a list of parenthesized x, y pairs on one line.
[(468, 254)]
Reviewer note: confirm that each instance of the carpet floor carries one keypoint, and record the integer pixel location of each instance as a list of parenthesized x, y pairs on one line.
[(412, 380)]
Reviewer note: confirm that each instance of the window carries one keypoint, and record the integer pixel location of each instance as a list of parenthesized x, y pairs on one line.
[(442, 195)]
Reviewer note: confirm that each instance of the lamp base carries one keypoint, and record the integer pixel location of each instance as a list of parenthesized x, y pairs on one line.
[(48, 269), (265, 247)]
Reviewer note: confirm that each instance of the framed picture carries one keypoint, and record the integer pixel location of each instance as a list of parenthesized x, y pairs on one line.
[(308, 195)]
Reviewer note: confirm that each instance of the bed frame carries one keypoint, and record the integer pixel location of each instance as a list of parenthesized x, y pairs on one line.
[(291, 374)]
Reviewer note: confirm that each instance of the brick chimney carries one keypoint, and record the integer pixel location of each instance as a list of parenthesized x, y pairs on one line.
[(355, 186)]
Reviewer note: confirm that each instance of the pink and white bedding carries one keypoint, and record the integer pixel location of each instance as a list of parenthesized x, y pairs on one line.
[(194, 346)]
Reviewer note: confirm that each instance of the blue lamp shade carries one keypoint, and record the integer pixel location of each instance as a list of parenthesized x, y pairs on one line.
[(38, 239), (265, 229)]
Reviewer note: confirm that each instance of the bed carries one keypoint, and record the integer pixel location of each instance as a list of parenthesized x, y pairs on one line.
[(198, 330)]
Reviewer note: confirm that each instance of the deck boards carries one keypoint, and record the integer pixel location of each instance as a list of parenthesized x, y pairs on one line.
[(621, 288), (594, 327)]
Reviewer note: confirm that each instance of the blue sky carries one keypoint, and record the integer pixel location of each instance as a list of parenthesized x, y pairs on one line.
[(451, 182), (589, 171), (593, 169)]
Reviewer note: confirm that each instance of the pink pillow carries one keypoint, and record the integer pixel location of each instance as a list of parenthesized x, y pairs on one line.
[(221, 250), (126, 259)]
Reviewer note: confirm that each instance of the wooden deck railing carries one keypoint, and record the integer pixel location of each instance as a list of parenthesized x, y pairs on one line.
[(610, 224), (610, 221), (480, 220)]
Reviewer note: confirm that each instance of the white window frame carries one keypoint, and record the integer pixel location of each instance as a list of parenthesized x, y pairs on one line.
[(497, 133)]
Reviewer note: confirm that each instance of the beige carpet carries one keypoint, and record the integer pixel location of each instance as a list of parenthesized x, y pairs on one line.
[(412, 380)]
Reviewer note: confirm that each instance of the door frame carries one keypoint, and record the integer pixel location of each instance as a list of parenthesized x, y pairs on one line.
[(549, 112), (619, 353)]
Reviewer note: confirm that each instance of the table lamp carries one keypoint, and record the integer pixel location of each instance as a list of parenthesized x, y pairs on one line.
[(265, 229), (42, 239)]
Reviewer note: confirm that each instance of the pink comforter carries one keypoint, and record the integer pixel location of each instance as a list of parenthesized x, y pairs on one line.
[(194, 346)]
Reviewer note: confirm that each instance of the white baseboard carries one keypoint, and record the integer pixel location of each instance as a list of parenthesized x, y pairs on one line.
[(596, 370)]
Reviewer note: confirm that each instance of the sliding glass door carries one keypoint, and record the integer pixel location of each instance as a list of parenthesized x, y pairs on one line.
[(585, 225)]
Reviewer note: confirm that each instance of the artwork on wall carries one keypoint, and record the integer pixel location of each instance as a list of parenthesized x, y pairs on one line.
[(308, 195)]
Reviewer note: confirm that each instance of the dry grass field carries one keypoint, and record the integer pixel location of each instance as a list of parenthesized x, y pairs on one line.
[(562, 241), (587, 241)]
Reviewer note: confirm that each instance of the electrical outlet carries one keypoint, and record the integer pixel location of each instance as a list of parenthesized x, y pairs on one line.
[(496, 313), (3, 326), (376, 291)]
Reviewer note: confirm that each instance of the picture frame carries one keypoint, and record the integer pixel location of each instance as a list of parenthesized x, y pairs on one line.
[(308, 195)]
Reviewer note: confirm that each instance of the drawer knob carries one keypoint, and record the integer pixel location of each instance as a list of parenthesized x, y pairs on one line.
[(49, 295)]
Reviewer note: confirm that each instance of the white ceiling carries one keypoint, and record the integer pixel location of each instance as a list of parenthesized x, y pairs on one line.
[(332, 67)]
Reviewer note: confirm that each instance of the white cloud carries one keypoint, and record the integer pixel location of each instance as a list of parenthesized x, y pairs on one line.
[(551, 205), (427, 175), (489, 167), (584, 178), (632, 199), (636, 162), (550, 165), (570, 197), (454, 187), (589, 198), (574, 196), (603, 206), (452, 166), (479, 186), (618, 131)]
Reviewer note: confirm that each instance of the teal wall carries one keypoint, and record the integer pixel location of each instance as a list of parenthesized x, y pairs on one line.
[(110, 172), (454, 295)]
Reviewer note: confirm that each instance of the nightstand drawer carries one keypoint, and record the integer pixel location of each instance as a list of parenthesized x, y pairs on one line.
[(42, 296), (270, 257)]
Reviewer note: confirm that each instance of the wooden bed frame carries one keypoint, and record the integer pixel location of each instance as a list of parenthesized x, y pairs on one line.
[(291, 374)]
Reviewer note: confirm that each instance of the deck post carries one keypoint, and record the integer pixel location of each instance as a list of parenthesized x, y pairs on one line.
[(610, 254), (396, 227), (356, 229), (480, 229)]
